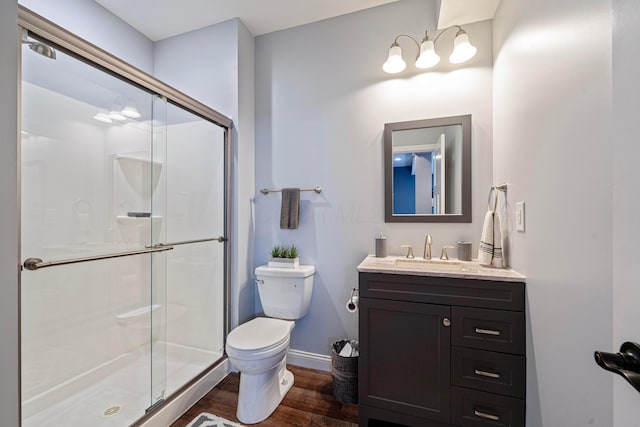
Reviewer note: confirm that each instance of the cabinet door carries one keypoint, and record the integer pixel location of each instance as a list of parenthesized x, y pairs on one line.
[(404, 358)]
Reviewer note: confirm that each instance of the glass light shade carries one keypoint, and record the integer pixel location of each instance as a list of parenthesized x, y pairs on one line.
[(103, 117), (394, 63), (428, 56), (463, 50), (130, 112)]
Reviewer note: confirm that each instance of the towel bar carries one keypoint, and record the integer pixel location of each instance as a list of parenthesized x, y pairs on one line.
[(267, 191)]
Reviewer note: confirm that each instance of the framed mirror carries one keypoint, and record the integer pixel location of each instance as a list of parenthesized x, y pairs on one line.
[(428, 170)]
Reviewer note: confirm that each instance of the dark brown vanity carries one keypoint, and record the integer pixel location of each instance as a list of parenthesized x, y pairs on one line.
[(441, 347)]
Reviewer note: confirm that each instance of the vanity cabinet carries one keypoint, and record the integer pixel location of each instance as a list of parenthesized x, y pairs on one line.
[(441, 351)]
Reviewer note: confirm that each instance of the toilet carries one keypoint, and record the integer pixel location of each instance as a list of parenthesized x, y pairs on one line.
[(258, 348)]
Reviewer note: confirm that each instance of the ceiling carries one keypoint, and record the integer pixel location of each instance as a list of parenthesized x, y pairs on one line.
[(460, 12), (159, 19)]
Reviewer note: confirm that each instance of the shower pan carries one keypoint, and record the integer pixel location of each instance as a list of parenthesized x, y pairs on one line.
[(124, 228)]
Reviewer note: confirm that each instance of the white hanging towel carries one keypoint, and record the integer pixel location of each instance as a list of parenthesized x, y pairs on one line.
[(490, 248)]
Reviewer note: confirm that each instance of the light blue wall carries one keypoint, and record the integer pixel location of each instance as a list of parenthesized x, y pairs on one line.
[(203, 64), (92, 22), (552, 110), (626, 203), (322, 100), (9, 349), (215, 65)]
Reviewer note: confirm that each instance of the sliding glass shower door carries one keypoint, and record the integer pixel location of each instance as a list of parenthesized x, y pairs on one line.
[(122, 225)]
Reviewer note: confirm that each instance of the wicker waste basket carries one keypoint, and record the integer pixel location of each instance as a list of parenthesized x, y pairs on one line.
[(345, 371)]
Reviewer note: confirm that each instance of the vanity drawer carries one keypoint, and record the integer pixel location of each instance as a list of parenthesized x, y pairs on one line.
[(488, 329), (488, 371), (443, 290), (471, 408)]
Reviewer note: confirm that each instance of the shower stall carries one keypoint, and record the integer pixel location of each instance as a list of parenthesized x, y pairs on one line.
[(124, 235)]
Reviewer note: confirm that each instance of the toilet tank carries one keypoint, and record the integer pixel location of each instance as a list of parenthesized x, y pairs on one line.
[(285, 293)]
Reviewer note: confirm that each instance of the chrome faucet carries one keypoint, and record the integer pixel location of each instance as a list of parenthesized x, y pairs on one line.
[(427, 247)]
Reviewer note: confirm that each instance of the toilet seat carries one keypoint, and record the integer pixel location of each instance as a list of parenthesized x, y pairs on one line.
[(259, 338)]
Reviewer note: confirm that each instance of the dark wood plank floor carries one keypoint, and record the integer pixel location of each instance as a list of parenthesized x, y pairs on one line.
[(310, 402)]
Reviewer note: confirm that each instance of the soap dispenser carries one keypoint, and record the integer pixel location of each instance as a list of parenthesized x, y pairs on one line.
[(381, 246)]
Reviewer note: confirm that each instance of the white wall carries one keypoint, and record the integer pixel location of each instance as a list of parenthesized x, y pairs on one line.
[(322, 100), (626, 203), (215, 65), (9, 350), (552, 143)]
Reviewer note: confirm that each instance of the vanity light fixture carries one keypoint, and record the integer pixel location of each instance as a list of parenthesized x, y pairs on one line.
[(463, 51)]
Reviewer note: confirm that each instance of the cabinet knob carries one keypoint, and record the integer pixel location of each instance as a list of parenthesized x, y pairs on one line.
[(446, 322)]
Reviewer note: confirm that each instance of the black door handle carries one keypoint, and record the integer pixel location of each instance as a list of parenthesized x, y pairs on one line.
[(626, 362)]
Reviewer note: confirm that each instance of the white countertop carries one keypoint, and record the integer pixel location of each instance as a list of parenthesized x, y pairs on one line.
[(437, 268)]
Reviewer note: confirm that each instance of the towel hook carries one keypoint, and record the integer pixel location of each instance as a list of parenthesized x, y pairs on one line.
[(494, 190)]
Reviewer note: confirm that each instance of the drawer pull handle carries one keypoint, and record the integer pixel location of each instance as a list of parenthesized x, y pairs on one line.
[(492, 332), (485, 415), (487, 374)]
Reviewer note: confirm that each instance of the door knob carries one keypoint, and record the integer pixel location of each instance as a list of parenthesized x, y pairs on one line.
[(625, 363)]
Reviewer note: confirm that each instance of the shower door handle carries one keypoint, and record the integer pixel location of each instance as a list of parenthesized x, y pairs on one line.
[(187, 242), (37, 263)]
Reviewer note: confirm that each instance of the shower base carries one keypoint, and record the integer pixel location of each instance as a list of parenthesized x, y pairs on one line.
[(116, 393)]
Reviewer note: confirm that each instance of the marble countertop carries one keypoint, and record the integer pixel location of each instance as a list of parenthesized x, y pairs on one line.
[(438, 268)]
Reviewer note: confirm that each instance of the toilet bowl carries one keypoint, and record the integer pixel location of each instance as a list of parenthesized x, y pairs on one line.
[(258, 348)]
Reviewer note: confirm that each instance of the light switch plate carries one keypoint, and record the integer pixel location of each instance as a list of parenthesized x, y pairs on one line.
[(519, 216)]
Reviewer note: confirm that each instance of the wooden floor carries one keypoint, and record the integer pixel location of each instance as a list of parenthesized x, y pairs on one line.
[(310, 402)]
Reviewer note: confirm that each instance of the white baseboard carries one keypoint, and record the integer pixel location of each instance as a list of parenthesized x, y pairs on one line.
[(321, 362), (168, 414)]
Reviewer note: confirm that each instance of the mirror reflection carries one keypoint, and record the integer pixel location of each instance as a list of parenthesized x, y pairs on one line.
[(427, 169)]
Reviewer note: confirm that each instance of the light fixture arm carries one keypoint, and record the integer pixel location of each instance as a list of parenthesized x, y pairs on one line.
[(445, 30), (395, 41)]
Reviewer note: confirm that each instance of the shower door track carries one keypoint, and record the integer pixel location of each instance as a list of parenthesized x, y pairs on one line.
[(37, 263)]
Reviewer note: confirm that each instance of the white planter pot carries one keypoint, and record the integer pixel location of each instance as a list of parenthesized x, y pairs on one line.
[(284, 262)]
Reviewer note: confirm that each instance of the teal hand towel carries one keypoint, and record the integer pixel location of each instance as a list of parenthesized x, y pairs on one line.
[(290, 209)]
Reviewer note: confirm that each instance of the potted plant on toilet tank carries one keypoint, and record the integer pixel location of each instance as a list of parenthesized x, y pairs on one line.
[(284, 256)]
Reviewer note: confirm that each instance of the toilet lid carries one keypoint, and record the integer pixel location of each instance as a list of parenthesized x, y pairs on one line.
[(260, 333)]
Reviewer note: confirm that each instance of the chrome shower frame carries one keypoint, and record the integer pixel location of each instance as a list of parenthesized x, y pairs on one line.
[(56, 38)]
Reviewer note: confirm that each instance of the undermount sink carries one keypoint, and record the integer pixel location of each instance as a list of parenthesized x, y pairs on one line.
[(430, 263)]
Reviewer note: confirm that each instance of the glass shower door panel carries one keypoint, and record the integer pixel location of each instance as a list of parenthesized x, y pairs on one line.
[(85, 343), (159, 261), (86, 191), (194, 210)]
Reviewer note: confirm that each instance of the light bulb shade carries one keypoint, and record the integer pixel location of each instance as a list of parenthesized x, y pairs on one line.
[(394, 63), (117, 116), (103, 117), (428, 57), (130, 112), (463, 50)]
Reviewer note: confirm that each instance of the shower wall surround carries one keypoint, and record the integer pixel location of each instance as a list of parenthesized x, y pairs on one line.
[(122, 333)]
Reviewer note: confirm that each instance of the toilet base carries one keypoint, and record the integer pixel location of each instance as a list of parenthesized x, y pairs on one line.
[(260, 394)]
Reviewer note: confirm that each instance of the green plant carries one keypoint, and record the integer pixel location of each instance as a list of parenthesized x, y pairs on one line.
[(292, 252), (278, 251)]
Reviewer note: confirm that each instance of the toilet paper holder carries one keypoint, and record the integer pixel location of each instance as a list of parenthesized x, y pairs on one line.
[(352, 303), (625, 363)]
